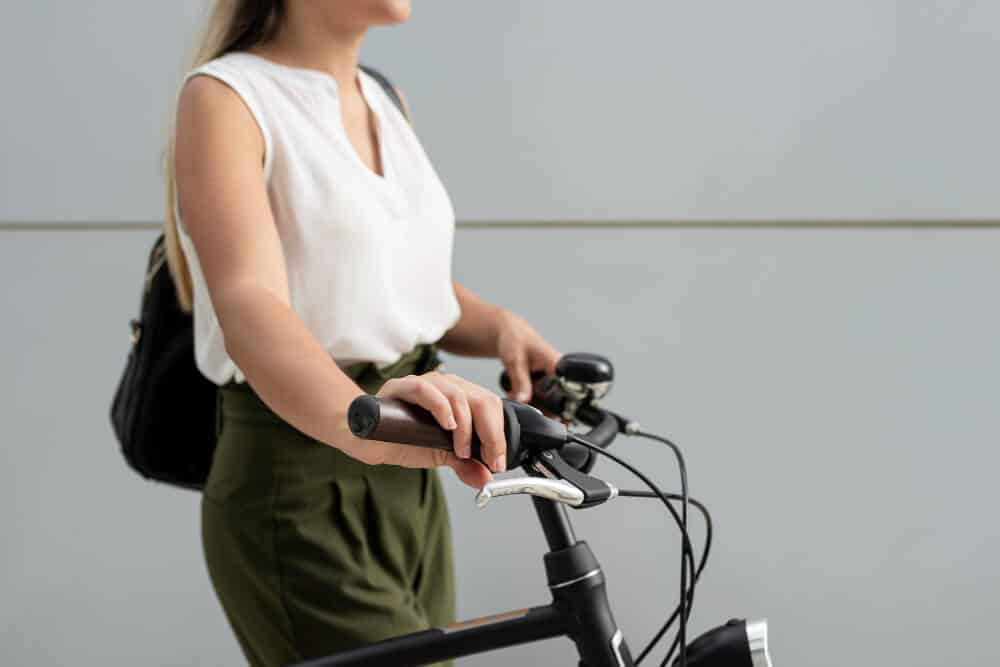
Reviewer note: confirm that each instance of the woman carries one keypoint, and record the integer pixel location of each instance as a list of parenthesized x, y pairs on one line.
[(313, 240)]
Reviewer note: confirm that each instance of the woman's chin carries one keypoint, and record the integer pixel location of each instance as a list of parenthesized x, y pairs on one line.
[(394, 11)]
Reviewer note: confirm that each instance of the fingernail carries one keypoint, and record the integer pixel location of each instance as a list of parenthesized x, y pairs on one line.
[(522, 396), (452, 424), (500, 464)]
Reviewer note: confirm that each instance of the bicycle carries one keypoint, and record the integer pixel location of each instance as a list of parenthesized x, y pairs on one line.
[(557, 460)]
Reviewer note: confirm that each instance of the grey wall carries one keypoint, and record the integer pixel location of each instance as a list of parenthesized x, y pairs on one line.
[(834, 391), (563, 109)]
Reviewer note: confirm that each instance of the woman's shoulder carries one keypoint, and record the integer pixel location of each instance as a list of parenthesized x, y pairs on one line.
[(217, 99), (239, 71), (214, 82), (235, 63)]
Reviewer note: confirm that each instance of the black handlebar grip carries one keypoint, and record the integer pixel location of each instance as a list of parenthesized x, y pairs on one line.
[(391, 420)]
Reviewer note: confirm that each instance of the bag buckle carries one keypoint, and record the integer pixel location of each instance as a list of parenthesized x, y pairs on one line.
[(136, 333)]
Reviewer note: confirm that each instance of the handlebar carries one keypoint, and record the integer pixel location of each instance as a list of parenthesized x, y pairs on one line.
[(531, 438), (526, 430)]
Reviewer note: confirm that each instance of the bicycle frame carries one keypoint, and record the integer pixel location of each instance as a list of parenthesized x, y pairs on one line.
[(579, 610)]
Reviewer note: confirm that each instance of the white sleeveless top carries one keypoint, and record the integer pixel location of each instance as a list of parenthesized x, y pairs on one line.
[(368, 258)]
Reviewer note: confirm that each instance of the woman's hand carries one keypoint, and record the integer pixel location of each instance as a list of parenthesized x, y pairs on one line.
[(522, 350), (459, 406)]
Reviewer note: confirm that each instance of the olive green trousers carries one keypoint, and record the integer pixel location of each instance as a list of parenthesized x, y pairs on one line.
[(311, 551)]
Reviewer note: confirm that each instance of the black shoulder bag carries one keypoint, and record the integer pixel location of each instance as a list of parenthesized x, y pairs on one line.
[(163, 410)]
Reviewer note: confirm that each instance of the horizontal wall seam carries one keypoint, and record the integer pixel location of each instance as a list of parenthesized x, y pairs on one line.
[(40, 226)]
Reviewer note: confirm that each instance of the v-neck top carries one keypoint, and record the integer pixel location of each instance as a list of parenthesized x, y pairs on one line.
[(368, 257)]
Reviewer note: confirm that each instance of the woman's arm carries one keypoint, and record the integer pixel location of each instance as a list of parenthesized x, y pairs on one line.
[(221, 192), (223, 197), (475, 333), (487, 330)]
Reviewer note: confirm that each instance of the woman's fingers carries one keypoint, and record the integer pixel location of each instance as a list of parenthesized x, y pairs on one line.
[(487, 420), (408, 456), (517, 368), (461, 407), (462, 436), (471, 472), (418, 390)]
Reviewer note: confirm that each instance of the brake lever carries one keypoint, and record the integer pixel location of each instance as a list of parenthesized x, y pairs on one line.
[(556, 480), (553, 489), (595, 491)]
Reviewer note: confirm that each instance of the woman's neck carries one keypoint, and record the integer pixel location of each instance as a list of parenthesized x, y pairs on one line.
[(302, 41)]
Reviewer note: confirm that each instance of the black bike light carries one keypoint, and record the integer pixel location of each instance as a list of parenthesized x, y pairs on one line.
[(738, 643)]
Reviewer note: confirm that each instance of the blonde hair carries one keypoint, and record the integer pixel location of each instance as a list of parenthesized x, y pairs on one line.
[(234, 25)]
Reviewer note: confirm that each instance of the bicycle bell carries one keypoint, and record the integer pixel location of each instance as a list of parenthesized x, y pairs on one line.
[(584, 378)]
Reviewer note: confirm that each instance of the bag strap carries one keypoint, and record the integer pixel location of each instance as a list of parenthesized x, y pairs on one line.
[(157, 260), (387, 86)]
